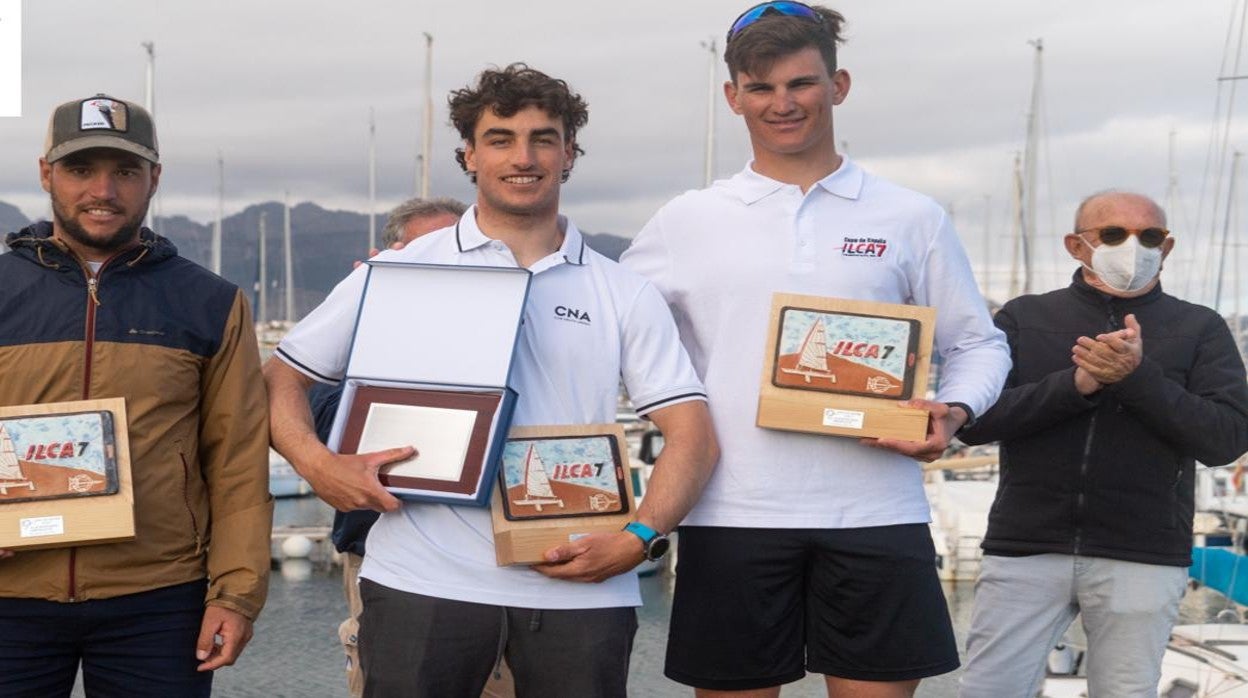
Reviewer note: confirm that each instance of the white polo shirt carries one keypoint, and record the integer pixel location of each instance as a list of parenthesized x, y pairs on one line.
[(587, 323), (719, 254)]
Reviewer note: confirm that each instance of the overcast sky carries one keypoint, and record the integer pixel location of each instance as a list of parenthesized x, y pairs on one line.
[(939, 99)]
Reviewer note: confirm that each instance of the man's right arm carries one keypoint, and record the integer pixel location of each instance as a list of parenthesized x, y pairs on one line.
[(345, 482)]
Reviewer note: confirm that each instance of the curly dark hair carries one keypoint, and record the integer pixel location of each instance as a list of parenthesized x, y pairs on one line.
[(508, 90), (757, 47)]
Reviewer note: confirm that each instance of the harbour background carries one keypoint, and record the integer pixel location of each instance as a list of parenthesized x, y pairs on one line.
[(296, 654)]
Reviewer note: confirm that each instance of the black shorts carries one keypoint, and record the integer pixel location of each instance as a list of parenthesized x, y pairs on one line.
[(755, 608)]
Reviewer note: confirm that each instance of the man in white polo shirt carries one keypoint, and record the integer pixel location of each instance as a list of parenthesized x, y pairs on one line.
[(438, 613), (825, 538)]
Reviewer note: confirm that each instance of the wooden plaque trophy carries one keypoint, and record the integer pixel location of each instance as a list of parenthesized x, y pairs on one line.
[(559, 483), (835, 366), (65, 474)]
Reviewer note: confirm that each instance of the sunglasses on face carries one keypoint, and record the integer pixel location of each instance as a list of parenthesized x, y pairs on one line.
[(783, 7), (1116, 234)]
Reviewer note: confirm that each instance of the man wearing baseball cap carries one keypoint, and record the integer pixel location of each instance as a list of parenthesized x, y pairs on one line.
[(93, 305)]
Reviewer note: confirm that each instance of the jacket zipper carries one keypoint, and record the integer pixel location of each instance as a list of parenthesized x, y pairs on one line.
[(1111, 324), (1083, 476), (93, 300)]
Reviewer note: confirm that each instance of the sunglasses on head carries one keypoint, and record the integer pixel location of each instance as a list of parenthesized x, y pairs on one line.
[(1116, 234), (782, 7)]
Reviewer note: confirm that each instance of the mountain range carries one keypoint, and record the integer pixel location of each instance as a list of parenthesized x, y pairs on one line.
[(325, 244)]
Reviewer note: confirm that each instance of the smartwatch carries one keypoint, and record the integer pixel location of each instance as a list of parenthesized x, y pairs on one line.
[(654, 543)]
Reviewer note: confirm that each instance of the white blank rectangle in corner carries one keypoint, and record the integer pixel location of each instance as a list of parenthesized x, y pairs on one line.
[(439, 435), (10, 57)]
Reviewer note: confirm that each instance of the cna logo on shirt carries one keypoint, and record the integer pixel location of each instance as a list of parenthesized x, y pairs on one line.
[(568, 314), (863, 247)]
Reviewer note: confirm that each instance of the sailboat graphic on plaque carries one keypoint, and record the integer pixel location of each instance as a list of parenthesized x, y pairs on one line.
[(11, 474), (562, 475), (848, 353), (49, 456), (813, 361), (537, 492), (840, 366)]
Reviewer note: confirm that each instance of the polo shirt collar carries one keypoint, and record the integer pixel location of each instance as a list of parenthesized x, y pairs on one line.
[(751, 187), (468, 236)]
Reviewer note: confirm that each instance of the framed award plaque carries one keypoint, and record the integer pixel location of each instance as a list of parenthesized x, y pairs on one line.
[(429, 367), (836, 366), (558, 483), (64, 474), (449, 429)]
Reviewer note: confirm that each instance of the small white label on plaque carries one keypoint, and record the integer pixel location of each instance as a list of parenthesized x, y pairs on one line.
[(845, 419), (42, 526)]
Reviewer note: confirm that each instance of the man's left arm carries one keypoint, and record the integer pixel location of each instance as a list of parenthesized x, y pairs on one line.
[(233, 453), (682, 469), (662, 382), (1207, 416), (974, 353)]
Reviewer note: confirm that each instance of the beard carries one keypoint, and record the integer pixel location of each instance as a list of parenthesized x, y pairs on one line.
[(126, 235)]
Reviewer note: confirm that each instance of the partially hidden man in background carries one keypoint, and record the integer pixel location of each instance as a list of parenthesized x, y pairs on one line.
[(809, 552), (1117, 389), (408, 221), (439, 614), (94, 306)]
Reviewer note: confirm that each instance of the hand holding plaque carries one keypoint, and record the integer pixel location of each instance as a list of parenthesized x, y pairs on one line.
[(944, 422), (348, 482)]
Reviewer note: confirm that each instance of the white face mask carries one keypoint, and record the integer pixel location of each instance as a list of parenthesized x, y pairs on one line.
[(1127, 266)]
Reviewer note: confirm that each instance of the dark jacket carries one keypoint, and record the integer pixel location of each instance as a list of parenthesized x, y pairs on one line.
[(177, 342), (1111, 474)]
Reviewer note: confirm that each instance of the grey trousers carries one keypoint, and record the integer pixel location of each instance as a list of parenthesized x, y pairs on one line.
[(1023, 605), (414, 646)]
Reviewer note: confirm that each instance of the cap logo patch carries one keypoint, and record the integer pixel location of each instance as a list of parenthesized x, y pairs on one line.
[(101, 113)]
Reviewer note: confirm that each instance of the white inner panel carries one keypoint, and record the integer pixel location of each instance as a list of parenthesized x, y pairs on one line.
[(438, 324), (439, 435)]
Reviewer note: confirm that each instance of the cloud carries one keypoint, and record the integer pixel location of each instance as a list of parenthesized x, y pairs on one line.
[(940, 94)]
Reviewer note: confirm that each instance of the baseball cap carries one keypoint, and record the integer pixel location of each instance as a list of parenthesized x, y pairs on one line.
[(101, 122)]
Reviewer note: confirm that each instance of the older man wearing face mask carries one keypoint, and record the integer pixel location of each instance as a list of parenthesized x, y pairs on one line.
[(1117, 389)]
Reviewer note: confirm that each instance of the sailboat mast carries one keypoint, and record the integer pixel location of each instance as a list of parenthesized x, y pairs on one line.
[(262, 294), (1029, 169), (153, 213), (372, 180), (712, 97), (216, 228), (1019, 227), (1226, 231), (288, 258), (427, 137)]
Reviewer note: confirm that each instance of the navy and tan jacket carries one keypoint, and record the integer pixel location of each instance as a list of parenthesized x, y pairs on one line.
[(177, 342)]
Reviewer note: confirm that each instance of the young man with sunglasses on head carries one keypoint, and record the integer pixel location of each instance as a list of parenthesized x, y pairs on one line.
[(1117, 388), (809, 552)]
